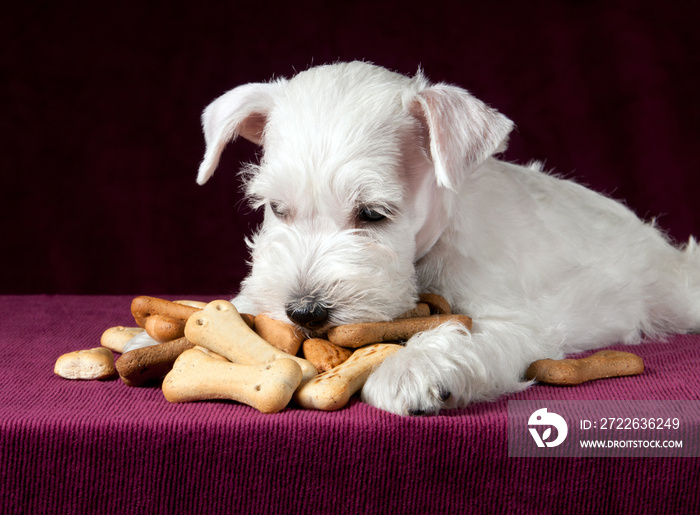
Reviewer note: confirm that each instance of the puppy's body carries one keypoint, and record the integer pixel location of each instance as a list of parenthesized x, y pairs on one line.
[(377, 187)]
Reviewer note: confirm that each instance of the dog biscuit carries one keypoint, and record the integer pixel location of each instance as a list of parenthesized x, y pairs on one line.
[(163, 328), (357, 335), (437, 303), (143, 307), (421, 310), (95, 363), (115, 338), (210, 353), (323, 354), (569, 372), (199, 304), (248, 319), (220, 328), (332, 390), (267, 387), (284, 336), (139, 366)]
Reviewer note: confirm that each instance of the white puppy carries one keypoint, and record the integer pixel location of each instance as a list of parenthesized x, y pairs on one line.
[(378, 186)]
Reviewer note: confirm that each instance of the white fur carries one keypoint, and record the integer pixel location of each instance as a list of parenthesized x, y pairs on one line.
[(543, 265)]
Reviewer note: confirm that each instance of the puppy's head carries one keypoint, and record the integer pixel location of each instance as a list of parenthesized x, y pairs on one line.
[(357, 169)]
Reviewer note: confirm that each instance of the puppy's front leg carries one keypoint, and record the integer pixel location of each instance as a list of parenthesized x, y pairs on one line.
[(449, 367)]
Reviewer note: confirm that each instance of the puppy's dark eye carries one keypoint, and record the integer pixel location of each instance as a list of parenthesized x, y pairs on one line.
[(367, 214), (276, 208)]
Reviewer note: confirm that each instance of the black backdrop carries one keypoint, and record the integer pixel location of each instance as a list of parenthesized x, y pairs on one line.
[(100, 115)]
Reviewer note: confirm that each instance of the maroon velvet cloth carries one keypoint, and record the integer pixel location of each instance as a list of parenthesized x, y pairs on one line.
[(102, 447), (100, 135)]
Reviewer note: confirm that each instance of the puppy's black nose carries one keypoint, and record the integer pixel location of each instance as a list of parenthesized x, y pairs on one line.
[(311, 315)]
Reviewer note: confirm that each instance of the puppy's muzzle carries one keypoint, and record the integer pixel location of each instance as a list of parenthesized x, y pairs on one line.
[(310, 314)]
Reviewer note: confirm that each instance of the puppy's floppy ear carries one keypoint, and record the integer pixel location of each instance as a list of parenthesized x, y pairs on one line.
[(463, 131), (243, 112)]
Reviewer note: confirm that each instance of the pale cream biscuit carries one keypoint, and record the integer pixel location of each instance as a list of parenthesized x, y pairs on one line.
[(95, 363), (115, 338), (267, 387), (220, 328)]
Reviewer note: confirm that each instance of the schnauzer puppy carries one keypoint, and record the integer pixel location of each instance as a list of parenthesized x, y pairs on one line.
[(377, 187)]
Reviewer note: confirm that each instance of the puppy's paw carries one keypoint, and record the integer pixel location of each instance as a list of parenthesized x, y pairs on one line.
[(404, 385), (422, 378)]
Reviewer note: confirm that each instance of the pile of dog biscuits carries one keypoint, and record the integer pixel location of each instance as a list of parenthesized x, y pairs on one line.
[(210, 351)]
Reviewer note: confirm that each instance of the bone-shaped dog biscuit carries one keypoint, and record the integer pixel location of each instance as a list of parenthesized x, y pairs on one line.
[(267, 387), (210, 353), (219, 328), (332, 390), (199, 304), (437, 303), (143, 307), (286, 337), (401, 329), (248, 319), (421, 310), (569, 372), (139, 366), (115, 338), (163, 328), (324, 354)]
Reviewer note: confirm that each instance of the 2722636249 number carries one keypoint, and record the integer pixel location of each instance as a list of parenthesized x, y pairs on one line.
[(634, 423)]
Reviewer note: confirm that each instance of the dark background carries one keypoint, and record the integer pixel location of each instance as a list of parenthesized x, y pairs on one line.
[(100, 106)]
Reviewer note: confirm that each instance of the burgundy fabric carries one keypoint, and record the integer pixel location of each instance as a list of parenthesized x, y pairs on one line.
[(100, 137), (102, 447)]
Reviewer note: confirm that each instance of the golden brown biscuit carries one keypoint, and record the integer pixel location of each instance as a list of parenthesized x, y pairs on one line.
[(438, 304), (421, 310), (324, 355), (568, 372), (332, 390), (163, 328), (139, 366), (357, 335), (144, 306), (286, 337)]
